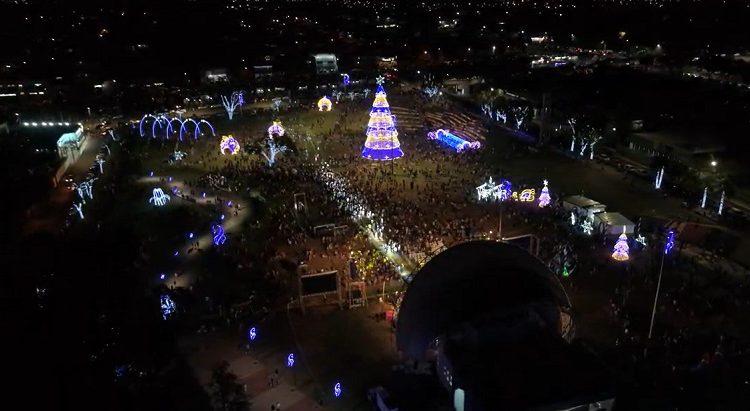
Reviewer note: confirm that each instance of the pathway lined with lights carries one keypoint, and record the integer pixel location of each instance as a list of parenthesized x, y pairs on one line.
[(230, 223)]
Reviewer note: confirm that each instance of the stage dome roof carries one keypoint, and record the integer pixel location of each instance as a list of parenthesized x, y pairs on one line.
[(475, 282)]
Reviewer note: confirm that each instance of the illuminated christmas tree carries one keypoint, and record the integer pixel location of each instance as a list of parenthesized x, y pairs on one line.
[(620, 252), (382, 138), (544, 198)]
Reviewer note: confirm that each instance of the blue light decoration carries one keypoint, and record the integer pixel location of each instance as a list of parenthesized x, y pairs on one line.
[(290, 360), (229, 203), (191, 235), (219, 237), (151, 174), (241, 98), (175, 190), (669, 243), (505, 190), (337, 390), (159, 198), (453, 141), (162, 276), (229, 145), (176, 253), (222, 217), (345, 79), (168, 306), (252, 333), (169, 179), (382, 138)]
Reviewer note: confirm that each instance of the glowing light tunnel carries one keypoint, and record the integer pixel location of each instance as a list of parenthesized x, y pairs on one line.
[(453, 141)]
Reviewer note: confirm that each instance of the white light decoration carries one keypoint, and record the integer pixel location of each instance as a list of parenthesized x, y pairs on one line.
[(78, 207), (337, 390), (588, 226), (705, 195), (276, 104), (487, 190), (659, 177), (290, 360), (641, 240), (231, 103), (572, 123), (572, 218), (324, 104), (721, 203), (168, 307), (101, 162), (159, 198), (273, 151)]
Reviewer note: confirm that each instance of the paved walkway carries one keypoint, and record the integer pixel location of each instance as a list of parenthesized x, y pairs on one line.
[(204, 351)]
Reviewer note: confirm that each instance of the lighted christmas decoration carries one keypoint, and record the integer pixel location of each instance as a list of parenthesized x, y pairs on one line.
[(290, 360), (231, 103), (528, 195), (620, 252), (705, 196), (159, 198), (382, 138), (276, 104), (196, 127), (78, 207), (721, 203), (641, 240), (487, 190), (276, 129), (273, 150), (432, 91), (177, 156), (572, 218), (544, 198), (324, 104), (168, 307), (505, 191), (669, 243), (337, 390), (345, 79), (219, 237), (252, 333), (453, 141), (587, 226), (565, 272), (229, 145), (659, 178), (100, 161)]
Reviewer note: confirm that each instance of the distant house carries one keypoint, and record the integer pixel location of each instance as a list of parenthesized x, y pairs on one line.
[(684, 147), (613, 224), (325, 63), (217, 75), (583, 205)]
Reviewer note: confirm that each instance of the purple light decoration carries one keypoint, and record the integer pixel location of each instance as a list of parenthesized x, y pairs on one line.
[(382, 138), (203, 195), (151, 174), (337, 390), (175, 190), (453, 141), (229, 145), (241, 98), (346, 79), (169, 179), (276, 128), (252, 333), (290, 360), (176, 253), (229, 203), (162, 276), (222, 217), (191, 235)]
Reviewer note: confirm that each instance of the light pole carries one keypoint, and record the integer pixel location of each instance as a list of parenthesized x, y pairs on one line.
[(668, 245)]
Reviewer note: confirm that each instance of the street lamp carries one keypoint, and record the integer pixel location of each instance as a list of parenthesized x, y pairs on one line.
[(713, 163), (668, 245)]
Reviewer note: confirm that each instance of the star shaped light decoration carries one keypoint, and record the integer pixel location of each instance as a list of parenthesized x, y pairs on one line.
[(380, 80)]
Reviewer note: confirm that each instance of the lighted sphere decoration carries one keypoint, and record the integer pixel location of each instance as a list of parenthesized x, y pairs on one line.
[(324, 104), (229, 145), (276, 128)]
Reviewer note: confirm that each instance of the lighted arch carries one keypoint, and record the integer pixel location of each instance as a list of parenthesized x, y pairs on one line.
[(324, 103), (140, 125)]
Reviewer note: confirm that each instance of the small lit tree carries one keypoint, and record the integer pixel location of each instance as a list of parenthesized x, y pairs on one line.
[(273, 151), (231, 103)]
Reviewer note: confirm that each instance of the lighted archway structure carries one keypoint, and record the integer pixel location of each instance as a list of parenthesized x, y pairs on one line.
[(477, 282), (324, 104)]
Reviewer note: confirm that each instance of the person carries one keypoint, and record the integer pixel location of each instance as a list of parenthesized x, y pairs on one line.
[(278, 406)]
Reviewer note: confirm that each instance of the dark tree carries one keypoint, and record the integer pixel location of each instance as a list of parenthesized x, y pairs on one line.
[(226, 393)]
